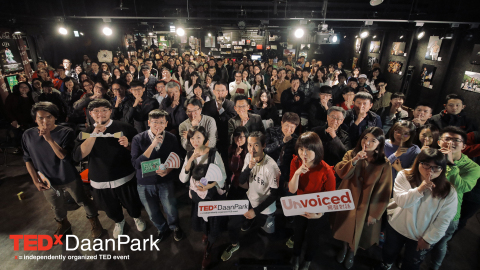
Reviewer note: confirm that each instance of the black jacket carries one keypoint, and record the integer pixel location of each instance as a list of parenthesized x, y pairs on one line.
[(150, 86), (354, 131), (268, 113), (254, 124), (289, 104), (139, 114), (317, 114), (210, 109), (274, 148), (443, 119), (223, 73), (119, 113), (334, 149), (176, 115)]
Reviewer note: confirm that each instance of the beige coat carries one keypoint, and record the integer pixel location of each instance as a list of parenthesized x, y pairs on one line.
[(371, 187)]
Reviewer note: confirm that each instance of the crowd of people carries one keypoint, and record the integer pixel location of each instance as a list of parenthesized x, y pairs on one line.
[(271, 129)]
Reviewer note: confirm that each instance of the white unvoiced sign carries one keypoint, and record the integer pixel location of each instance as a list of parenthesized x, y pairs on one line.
[(222, 208), (321, 202)]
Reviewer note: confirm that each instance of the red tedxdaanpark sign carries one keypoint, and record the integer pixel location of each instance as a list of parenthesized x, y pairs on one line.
[(329, 201)]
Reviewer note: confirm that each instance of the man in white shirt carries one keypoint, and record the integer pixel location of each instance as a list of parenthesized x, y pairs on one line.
[(262, 174), (237, 87)]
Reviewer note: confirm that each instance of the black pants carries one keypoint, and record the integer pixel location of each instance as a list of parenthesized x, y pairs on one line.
[(468, 210), (306, 230), (111, 200)]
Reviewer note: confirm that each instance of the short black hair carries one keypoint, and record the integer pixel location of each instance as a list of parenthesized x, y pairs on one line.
[(352, 79), (454, 96), (193, 101), (220, 83), (363, 95), (97, 103), (239, 98), (454, 130), (199, 171), (379, 80), (260, 135), (311, 141), (156, 114), (161, 81), (136, 83), (398, 95), (347, 90), (423, 104), (122, 84), (45, 106), (325, 89), (47, 84), (342, 75), (291, 117), (295, 78)]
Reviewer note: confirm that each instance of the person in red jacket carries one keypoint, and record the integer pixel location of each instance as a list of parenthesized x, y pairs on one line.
[(308, 174)]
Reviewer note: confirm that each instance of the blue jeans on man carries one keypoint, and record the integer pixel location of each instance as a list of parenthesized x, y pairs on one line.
[(151, 196)]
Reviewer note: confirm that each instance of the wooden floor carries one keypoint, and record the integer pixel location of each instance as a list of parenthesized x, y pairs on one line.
[(34, 216)]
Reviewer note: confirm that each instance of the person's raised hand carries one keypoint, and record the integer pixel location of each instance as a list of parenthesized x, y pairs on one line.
[(123, 141), (331, 132)]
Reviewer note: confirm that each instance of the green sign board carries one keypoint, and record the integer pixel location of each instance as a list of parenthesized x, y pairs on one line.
[(149, 167)]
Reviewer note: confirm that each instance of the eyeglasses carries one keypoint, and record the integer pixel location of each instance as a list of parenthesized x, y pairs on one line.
[(406, 134), (190, 112), (158, 123), (336, 119), (100, 111), (432, 168), (451, 139)]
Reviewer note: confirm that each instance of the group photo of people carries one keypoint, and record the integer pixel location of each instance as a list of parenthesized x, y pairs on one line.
[(269, 129)]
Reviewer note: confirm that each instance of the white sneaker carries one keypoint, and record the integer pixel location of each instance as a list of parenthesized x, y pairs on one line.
[(118, 230), (140, 224)]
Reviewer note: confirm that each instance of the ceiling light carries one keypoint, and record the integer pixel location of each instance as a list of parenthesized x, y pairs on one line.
[(209, 34), (299, 33), (75, 33), (344, 36), (150, 33), (375, 2), (356, 36), (81, 33), (401, 37), (17, 32), (364, 34), (62, 30), (180, 31), (334, 39), (107, 31), (374, 36), (421, 35)]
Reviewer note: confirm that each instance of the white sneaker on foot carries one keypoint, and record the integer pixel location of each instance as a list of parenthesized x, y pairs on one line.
[(118, 230), (140, 224)]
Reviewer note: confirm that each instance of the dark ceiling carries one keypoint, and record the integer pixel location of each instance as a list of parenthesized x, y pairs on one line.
[(214, 14)]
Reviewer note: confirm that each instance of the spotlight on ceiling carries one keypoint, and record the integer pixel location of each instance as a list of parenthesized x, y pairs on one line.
[(400, 37), (364, 34), (107, 31), (17, 32), (150, 33), (62, 30), (375, 36), (356, 36), (180, 31), (299, 33), (81, 33), (334, 39), (375, 2), (209, 34), (344, 36), (421, 34)]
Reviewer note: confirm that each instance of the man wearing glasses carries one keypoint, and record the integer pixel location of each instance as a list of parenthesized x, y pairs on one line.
[(462, 173), (253, 122), (193, 108), (111, 173), (237, 87), (335, 140)]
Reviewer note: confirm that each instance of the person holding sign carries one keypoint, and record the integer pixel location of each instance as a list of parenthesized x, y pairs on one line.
[(156, 143), (110, 169), (427, 203), (309, 173), (46, 151), (367, 173), (399, 148), (204, 190), (262, 175)]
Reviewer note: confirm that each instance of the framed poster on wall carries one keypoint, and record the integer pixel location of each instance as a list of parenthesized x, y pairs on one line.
[(471, 82), (433, 48), (395, 67), (398, 48), (9, 56), (209, 42), (358, 45), (374, 46), (427, 75)]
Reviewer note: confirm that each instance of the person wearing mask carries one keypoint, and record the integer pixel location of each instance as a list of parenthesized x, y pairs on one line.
[(280, 146), (155, 143), (261, 173), (335, 140), (55, 98), (366, 172), (111, 173), (309, 173), (139, 106), (149, 81), (318, 108), (394, 113), (360, 117), (173, 105), (292, 99), (280, 84), (266, 108), (47, 152), (193, 108), (121, 102), (463, 174), (237, 152), (399, 149), (453, 115), (426, 203)]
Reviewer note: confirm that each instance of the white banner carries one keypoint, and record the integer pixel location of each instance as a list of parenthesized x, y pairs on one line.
[(321, 202), (222, 208)]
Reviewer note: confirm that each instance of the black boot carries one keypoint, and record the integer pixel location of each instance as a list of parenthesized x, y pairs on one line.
[(342, 253)]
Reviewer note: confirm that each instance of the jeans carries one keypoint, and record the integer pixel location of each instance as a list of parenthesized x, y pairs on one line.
[(75, 188), (440, 248), (393, 245), (151, 196)]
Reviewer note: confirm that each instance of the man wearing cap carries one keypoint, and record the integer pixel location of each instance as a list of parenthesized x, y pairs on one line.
[(362, 83), (149, 81)]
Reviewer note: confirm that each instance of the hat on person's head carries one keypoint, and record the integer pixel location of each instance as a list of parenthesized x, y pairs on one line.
[(362, 76), (47, 84), (145, 67)]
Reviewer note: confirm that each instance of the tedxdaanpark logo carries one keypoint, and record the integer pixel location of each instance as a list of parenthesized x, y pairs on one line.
[(72, 243)]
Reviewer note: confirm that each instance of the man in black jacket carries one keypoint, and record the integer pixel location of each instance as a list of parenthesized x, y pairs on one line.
[(149, 81), (139, 108), (335, 140), (453, 115), (111, 173), (253, 122), (317, 111), (292, 100)]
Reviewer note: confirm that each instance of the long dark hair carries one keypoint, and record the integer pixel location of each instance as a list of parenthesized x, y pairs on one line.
[(16, 91), (270, 103), (324, 77), (237, 132), (435, 134), (403, 124), (379, 154), (442, 186)]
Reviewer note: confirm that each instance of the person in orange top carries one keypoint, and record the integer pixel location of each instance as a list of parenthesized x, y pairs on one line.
[(308, 174)]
